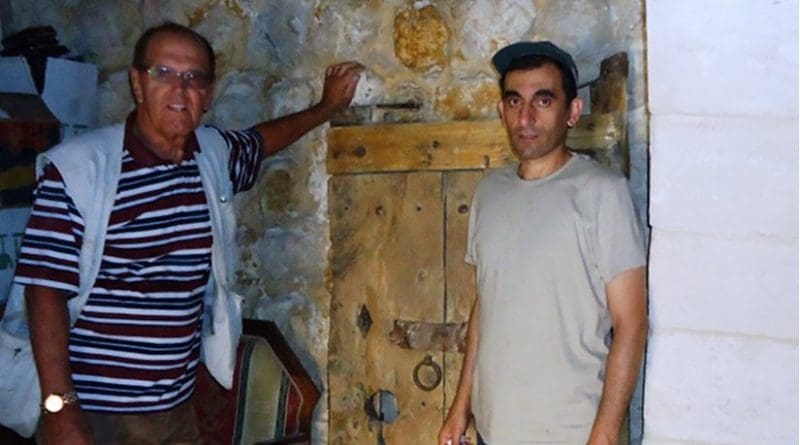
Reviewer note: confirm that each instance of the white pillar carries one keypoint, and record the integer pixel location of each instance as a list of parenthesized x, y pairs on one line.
[(722, 363)]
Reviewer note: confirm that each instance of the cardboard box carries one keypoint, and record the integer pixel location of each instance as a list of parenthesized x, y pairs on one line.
[(31, 121), (27, 127), (69, 91)]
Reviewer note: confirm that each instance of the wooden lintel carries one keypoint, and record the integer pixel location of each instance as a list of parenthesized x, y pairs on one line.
[(459, 145)]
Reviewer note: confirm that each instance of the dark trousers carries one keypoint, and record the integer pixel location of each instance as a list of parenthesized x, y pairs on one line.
[(177, 426)]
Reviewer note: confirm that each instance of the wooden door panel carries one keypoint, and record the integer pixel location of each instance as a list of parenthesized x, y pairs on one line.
[(459, 276), (387, 236)]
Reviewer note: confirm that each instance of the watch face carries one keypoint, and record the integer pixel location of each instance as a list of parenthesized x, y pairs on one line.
[(53, 403)]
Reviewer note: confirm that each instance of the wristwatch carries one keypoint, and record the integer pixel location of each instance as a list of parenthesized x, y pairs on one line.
[(55, 402)]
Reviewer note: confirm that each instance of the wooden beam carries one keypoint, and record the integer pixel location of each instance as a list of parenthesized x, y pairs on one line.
[(459, 145), (609, 94)]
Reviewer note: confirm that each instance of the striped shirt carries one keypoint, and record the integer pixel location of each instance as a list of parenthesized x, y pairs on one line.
[(135, 347)]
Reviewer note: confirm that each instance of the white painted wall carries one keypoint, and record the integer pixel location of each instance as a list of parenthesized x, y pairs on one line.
[(722, 363)]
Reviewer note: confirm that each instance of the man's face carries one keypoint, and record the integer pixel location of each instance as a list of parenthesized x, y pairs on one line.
[(535, 111), (169, 107)]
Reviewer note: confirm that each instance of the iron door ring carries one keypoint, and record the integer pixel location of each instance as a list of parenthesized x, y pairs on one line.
[(428, 361)]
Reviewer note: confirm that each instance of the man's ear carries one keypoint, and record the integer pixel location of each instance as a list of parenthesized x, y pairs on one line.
[(209, 97), (137, 90), (500, 108), (575, 110)]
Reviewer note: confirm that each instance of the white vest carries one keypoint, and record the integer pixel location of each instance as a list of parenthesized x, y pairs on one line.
[(90, 165)]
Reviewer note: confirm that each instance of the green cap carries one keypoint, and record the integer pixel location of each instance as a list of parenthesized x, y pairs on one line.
[(503, 58)]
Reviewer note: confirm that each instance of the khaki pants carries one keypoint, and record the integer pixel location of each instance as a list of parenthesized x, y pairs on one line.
[(624, 435), (177, 426)]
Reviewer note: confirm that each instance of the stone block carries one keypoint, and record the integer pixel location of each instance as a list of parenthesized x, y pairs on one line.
[(420, 38), (702, 388), (236, 104), (723, 284), (724, 175), (591, 37), (481, 27), (468, 99), (345, 34), (729, 57), (278, 40), (225, 28)]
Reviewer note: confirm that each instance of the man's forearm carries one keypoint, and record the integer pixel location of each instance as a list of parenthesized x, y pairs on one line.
[(338, 89), (622, 369), (460, 410), (48, 317), (628, 306), (282, 132)]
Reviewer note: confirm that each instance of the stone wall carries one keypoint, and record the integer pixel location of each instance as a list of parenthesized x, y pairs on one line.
[(722, 361), (271, 56)]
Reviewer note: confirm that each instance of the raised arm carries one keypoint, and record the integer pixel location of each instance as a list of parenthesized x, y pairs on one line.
[(337, 92), (460, 411), (627, 303)]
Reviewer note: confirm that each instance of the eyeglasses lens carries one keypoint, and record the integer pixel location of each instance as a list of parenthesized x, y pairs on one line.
[(192, 79)]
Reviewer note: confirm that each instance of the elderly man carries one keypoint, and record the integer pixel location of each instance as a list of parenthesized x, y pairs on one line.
[(127, 262), (559, 263)]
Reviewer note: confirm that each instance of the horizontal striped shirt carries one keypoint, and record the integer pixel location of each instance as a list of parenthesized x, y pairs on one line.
[(136, 344)]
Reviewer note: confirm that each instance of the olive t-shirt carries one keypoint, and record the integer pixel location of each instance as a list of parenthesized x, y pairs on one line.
[(544, 250)]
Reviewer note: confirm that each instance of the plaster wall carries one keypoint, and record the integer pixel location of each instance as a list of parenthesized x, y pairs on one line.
[(722, 360), (271, 58)]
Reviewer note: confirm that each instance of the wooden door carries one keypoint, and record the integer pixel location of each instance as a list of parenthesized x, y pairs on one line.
[(397, 255)]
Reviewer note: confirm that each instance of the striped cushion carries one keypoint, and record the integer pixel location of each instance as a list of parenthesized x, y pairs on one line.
[(264, 405)]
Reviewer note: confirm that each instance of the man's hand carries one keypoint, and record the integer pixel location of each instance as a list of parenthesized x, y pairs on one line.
[(340, 85), (66, 427), (337, 92), (454, 426), (461, 410)]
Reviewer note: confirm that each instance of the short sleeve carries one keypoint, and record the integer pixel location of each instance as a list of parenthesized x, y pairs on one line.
[(620, 240), (52, 240), (245, 157)]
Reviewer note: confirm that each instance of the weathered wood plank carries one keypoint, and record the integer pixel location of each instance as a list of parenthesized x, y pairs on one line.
[(609, 94), (460, 290), (386, 236), (455, 145)]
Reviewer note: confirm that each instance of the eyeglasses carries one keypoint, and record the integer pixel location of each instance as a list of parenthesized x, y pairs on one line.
[(193, 79)]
